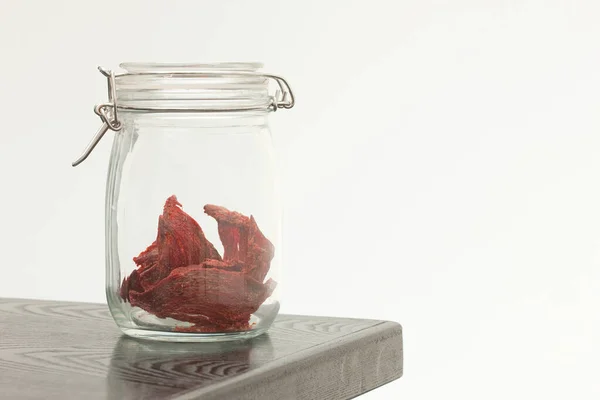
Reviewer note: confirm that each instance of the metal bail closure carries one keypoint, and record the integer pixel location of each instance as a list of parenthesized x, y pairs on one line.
[(107, 113), (284, 98)]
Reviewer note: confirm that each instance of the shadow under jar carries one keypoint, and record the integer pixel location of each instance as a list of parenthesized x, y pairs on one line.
[(193, 218)]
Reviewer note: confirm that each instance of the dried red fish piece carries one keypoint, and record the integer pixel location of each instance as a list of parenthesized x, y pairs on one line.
[(132, 282), (224, 265), (233, 231), (150, 275), (243, 241), (180, 239), (148, 272), (223, 215), (182, 276), (260, 252), (147, 257), (206, 296)]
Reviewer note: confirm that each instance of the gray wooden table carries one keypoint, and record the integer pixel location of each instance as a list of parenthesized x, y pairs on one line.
[(62, 350)]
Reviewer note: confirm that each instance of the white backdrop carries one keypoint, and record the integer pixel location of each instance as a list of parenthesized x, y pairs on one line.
[(441, 169)]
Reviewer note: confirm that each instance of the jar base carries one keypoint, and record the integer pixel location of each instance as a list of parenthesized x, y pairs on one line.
[(184, 337)]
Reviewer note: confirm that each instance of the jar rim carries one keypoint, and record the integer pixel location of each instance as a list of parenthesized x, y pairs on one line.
[(191, 68)]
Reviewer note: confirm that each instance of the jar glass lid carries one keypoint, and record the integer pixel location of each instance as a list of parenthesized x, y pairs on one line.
[(171, 87)]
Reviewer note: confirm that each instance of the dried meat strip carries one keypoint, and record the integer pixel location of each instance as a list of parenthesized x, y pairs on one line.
[(243, 241), (182, 276), (205, 296)]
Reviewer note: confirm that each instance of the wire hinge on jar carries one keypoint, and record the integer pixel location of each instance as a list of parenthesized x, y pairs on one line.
[(284, 98), (108, 112)]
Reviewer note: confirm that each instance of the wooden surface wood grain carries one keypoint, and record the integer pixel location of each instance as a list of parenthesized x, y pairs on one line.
[(63, 350)]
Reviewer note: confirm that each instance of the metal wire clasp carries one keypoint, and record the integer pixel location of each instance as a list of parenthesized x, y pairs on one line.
[(284, 97), (108, 114)]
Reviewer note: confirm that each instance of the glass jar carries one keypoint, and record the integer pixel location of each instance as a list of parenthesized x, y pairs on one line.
[(193, 217)]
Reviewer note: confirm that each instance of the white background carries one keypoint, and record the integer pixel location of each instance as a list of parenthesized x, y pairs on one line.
[(441, 169)]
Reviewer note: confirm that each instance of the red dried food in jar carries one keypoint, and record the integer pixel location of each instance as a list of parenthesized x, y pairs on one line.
[(243, 241), (223, 215), (204, 296), (233, 231), (182, 276), (149, 276), (148, 271), (180, 240), (224, 265), (147, 257), (131, 283), (260, 253)]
